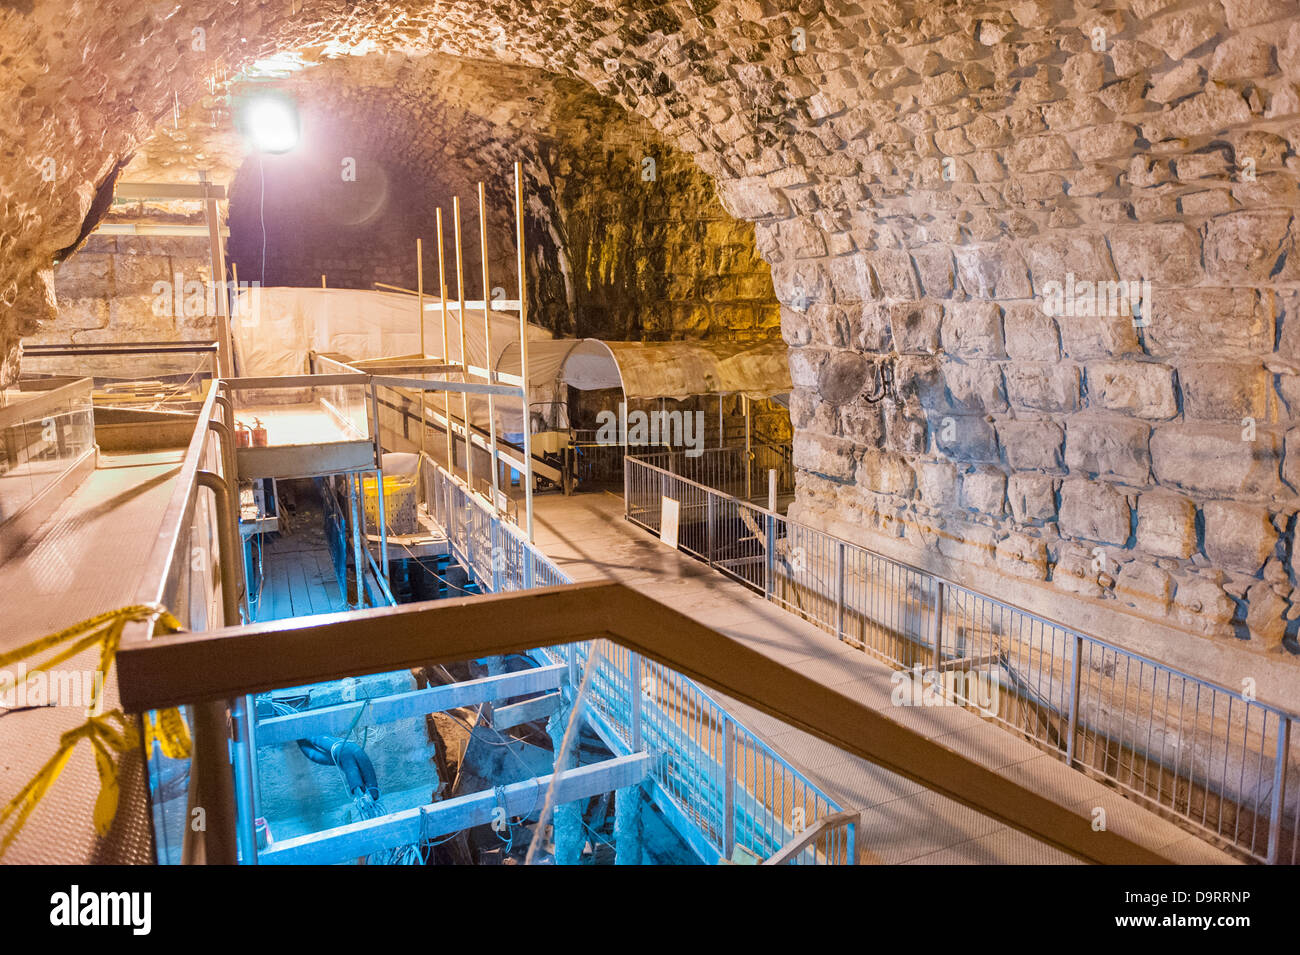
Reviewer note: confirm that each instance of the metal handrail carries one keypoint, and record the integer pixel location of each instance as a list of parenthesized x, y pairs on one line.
[(934, 595), (845, 821)]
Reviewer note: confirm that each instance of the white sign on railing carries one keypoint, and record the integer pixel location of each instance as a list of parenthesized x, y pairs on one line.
[(670, 512)]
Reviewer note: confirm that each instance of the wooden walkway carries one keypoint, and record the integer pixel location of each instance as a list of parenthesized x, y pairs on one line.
[(299, 581), (903, 822)]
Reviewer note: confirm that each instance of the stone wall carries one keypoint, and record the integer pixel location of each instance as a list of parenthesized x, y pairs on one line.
[(111, 291)]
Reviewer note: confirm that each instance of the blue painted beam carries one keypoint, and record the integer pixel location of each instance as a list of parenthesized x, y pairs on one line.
[(358, 839), (335, 720)]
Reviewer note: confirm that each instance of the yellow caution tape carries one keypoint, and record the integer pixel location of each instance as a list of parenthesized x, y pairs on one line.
[(111, 734)]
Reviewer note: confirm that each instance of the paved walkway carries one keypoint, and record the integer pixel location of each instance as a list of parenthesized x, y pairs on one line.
[(903, 822)]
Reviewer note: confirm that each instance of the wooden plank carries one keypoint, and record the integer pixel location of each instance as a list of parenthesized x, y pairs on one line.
[(539, 708), (357, 839), (332, 720), (308, 460), (169, 190)]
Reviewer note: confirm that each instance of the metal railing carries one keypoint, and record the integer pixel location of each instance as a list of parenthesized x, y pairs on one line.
[(1219, 763), (732, 471), (715, 773)]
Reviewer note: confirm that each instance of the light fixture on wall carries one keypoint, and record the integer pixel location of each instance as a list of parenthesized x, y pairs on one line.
[(884, 387), (270, 122)]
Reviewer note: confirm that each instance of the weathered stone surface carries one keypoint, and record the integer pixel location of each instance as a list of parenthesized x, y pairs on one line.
[(1165, 254), (1166, 524), (1141, 389), (1102, 336), (1237, 536), (1039, 387), (973, 330), (886, 472), (969, 438), (1219, 390), (915, 327), (1245, 247), (1107, 447), (1032, 497), (937, 483), (1144, 587), (1094, 511), (831, 457), (1030, 335), (1031, 445), (1213, 459), (1201, 606), (984, 489), (1203, 323), (1020, 555), (973, 388)]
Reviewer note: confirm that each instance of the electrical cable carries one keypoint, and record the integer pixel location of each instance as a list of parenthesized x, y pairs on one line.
[(261, 167)]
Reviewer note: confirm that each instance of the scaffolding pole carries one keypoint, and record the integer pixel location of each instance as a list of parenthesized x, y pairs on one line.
[(419, 285), (523, 349), (487, 339), (446, 400), (464, 356)]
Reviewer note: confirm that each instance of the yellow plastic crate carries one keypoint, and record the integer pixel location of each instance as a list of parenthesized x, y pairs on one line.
[(399, 504)]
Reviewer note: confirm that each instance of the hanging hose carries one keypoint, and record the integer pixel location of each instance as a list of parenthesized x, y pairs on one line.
[(358, 771)]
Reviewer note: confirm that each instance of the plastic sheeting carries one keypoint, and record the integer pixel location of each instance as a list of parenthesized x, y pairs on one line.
[(276, 329)]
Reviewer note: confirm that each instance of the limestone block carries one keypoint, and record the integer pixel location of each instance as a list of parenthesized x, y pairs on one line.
[(1213, 459), (984, 490), (1093, 510), (1031, 445), (1244, 247), (1020, 555), (1142, 389), (1144, 587), (830, 457), (1220, 390), (1242, 57), (969, 543), (1166, 524), (1075, 570), (937, 483), (968, 438), (1163, 253), (1032, 497), (1030, 335), (973, 330), (1108, 448), (1203, 323), (973, 387), (1200, 605), (886, 472), (1042, 387), (1099, 336), (1238, 537), (915, 327)]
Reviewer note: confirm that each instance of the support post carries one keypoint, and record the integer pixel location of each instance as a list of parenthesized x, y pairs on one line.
[(634, 721), (227, 535), (627, 826), (839, 590), (487, 344), (464, 352), (379, 482), (424, 351), (1076, 676), (217, 256), (770, 579), (523, 346), (567, 817), (354, 494), (1279, 789), (940, 592), (729, 793), (749, 454), (214, 781), (708, 525), (446, 397), (244, 770)]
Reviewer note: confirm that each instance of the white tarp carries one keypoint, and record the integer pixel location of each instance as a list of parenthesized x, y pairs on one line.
[(275, 330)]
